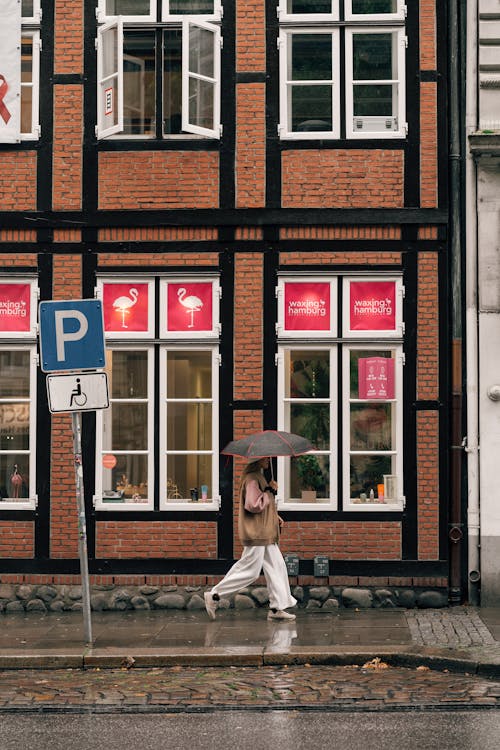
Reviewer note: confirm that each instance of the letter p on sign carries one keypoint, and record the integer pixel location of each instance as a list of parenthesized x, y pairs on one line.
[(71, 335)]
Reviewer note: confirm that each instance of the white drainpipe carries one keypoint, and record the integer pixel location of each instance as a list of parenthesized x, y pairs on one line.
[(471, 298)]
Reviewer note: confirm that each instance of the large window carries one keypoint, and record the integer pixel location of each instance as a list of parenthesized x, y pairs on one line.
[(358, 466), (18, 373), (159, 77), (157, 444), (326, 48)]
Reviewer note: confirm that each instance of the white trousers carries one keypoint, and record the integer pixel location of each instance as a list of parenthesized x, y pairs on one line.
[(247, 570)]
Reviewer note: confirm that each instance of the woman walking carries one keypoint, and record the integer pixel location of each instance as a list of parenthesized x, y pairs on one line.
[(259, 528)]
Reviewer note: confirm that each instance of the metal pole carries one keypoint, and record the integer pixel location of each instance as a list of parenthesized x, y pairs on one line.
[(82, 526)]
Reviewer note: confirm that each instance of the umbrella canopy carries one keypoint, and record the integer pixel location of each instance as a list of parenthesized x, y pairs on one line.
[(268, 443)]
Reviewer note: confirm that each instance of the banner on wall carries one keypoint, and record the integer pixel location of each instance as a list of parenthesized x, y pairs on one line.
[(15, 308), (307, 306), (126, 307), (376, 377), (10, 71), (189, 306), (372, 306)]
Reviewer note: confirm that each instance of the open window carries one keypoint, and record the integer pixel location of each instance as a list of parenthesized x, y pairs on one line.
[(110, 78), (201, 78)]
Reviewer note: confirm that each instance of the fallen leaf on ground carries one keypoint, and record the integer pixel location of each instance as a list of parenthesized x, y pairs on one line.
[(376, 663)]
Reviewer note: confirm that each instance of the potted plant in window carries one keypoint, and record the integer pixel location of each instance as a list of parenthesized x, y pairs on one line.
[(310, 475)]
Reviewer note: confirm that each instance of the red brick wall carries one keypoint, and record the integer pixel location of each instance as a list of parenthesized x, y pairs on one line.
[(428, 34), (428, 484), (18, 181), (17, 539), (343, 540), (158, 179), (250, 145), (335, 259), (248, 328), (250, 35), (340, 233), (63, 508), (428, 145), (343, 178), (68, 36), (158, 259), (428, 327), (146, 539), (158, 234), (67, 154)]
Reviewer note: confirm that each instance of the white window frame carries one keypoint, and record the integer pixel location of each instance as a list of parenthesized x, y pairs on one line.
[(103, 130), (34, 133), (186, 504), (31, 502), (102, 17), (285, 15), (399, 41), (37, 14), (191, 335), (188, 75), (399, 14), (399, 328), (100, 451), (283, 464), (34, 296), (287, 85), (115, 335), (307, 334), (347, 400), (167, 16)]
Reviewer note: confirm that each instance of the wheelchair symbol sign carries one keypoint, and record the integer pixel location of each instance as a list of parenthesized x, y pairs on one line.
[(78, 392)]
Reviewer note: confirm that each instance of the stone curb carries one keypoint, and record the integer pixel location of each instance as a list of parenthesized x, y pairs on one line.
[(412, 658)]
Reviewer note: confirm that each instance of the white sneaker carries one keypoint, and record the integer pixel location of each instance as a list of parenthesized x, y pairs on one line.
[(280, 614), (210, 604)]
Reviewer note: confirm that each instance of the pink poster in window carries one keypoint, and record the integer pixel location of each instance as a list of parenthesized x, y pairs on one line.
[(307, 306), (15, 307), (189, 307), (125, 307), (376, 377), (372, 306)]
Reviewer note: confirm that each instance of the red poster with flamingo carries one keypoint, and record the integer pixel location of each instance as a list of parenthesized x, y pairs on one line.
[(125, 307), (15, 310), (189, 307)]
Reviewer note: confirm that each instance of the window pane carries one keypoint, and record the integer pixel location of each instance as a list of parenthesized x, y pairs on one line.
[(201, 103), (127, 482), (110, 53), (127, 7), (313, 422), (372, 57), (14, 426), (201, 51), (139, 95), (311, 474), (311, 57), (27, 8), (309, 6), (129, 374), (130, 426), (14, 477), (371, 427), (14, 374), (373, 100), (189, 427), (185, 473), (172, 81), (191, 7), (309, 374), (189, 374), (311, 108), (367, 472), (374, 6)]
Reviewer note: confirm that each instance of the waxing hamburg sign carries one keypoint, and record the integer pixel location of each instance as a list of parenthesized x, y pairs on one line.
[(307, 306), (372, 306)]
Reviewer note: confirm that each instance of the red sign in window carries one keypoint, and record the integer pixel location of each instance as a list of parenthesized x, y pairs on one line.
[(373, 306), (376, 377), (307, 306), (15, 307), (189, 307), (125, 307)]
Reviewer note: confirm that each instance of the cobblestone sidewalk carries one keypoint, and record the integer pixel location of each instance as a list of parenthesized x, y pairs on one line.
[(455, 628)]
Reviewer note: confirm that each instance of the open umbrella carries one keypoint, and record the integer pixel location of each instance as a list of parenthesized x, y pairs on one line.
[(268, 443)]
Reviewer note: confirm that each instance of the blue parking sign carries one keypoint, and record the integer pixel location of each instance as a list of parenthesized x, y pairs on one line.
[(71, 335)]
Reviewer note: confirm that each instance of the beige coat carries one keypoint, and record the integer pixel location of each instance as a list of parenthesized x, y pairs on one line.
[(257, 529)]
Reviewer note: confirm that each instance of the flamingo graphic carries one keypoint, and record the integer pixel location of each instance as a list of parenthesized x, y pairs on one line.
[(123, 304), (16, 480), (192, 303)]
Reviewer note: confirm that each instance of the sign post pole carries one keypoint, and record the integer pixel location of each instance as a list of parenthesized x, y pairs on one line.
[(82, 525)]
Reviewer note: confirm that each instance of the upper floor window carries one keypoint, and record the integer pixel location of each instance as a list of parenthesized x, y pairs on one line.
[(158, 77), (19, 70), (18, 379), (340, 77)]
